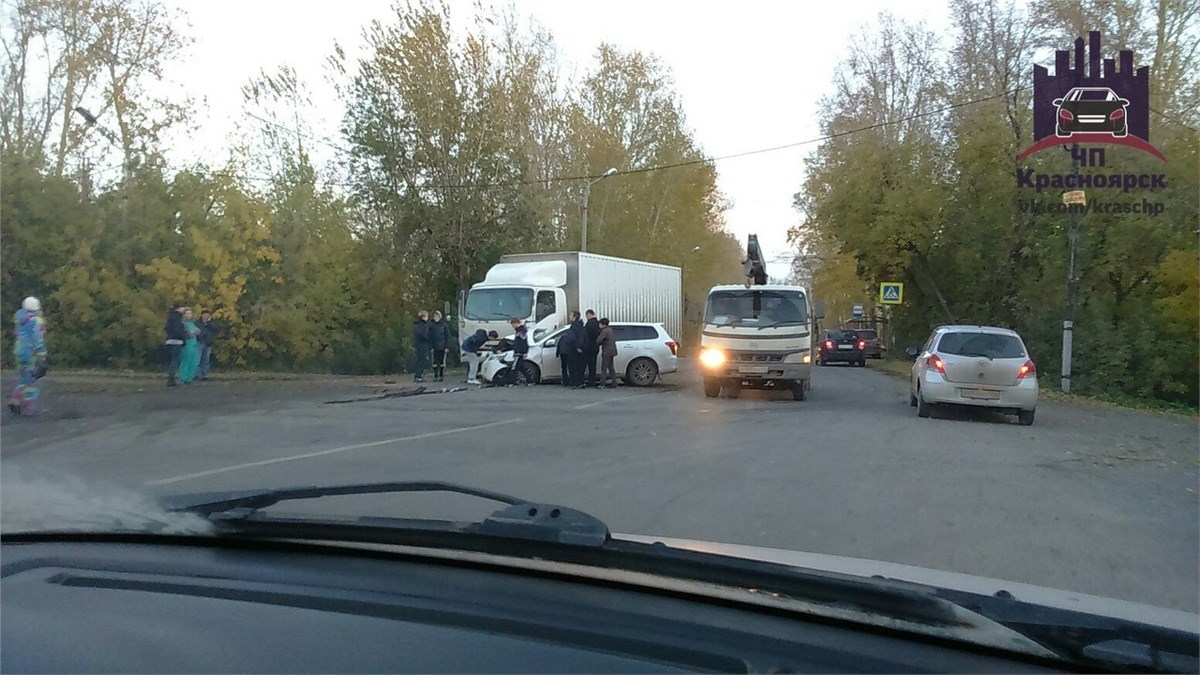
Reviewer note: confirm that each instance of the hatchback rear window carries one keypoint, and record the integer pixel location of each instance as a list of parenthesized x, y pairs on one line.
[(990, 345), (867, 334), (842, 335)]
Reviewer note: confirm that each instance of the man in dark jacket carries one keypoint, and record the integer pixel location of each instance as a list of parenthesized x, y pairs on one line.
[(579, 342), (208, 335), (439, 342), (520, 348), (566, 351), (470, 352), (177, 334), (591, 349), (421, 346)]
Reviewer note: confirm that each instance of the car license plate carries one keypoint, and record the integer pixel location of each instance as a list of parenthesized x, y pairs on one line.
[(984, 394), (846, 347), (753, 370)]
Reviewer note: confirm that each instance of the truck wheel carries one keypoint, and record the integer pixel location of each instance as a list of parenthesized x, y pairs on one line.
[(642, 372), (800, 391), (533, 374), (712, 387), (734, 390)]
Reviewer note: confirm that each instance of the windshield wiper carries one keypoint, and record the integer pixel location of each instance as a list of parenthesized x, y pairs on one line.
[(986, 356), (525, 529), (796, 322), (521, 519), (1118, 644)]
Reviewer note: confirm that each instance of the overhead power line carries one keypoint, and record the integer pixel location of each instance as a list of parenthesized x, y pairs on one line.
[(690, 162)]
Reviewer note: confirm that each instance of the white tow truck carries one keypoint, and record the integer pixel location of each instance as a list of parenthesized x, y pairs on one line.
[(758, 335)]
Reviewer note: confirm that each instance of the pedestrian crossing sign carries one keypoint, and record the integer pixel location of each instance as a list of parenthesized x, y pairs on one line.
[(891, 293)]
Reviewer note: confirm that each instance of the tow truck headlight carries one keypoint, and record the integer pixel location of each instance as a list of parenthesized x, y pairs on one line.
[(712, 358)]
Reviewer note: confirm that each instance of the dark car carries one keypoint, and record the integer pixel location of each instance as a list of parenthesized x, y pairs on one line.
[(842, 346), (1095, 109), (869, 335)]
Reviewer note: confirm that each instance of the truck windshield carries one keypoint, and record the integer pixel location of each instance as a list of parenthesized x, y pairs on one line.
[(761, 308), (493, 304)]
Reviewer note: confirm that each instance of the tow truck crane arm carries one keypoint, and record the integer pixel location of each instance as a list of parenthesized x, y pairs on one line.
[(754, 264)]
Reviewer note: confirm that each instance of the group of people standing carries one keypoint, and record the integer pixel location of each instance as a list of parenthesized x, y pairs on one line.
[(580, 345), (33, 360), (431, 341), (578, 348), (189, 344)]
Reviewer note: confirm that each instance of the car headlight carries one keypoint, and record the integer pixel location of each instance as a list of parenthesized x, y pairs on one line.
[(711, 358)]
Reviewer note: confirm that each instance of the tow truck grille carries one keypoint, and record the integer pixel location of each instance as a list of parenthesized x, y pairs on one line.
[(751, 357)]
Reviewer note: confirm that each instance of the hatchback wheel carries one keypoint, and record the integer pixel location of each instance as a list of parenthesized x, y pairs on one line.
[(1025, 417), (923, 408), (642, 372)]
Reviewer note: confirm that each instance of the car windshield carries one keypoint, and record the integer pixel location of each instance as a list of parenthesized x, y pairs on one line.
[(991, 345), (756, 308), (257, 244), (491, 304)]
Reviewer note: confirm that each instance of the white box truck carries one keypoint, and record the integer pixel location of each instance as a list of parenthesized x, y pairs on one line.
[(541, 289)]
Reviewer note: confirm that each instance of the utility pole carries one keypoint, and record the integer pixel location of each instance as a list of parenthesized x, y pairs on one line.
[(1075, 201)]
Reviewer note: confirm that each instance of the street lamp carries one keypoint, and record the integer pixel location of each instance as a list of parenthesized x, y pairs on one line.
[(587, 194)]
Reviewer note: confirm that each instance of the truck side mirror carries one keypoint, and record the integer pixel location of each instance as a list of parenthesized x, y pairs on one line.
[(912, 352), (819, 309)]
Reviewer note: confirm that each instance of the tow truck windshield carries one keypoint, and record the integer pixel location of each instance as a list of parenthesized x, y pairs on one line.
[(753, 307)]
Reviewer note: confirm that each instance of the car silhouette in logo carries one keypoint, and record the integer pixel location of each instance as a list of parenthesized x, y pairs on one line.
[(1091, 109)]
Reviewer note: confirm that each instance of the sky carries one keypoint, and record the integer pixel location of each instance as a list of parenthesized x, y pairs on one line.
[(749, 74)]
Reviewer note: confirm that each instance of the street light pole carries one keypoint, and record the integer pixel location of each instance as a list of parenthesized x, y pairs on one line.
[(587, 195), (126, 172), (1072, 293)]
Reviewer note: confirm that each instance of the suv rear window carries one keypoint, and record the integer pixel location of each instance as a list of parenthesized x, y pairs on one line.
[(624, 333), (981, 344)]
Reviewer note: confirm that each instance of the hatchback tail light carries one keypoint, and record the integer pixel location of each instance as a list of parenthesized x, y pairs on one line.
[(1026, 370), (934, 361), (829, 344), (1117, 114), (862, 344), (673, 347)]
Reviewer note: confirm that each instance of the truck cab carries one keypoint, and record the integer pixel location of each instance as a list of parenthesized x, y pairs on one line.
[(533, 292), (758, 335)]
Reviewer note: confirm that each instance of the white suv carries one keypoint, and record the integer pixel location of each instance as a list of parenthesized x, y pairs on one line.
[(644, 351), (977, 366)]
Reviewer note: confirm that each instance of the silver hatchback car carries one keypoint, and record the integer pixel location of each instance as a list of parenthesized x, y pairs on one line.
[(976, 366)]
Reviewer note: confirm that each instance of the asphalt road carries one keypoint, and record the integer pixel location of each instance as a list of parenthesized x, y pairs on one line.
[(1090, 499)]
